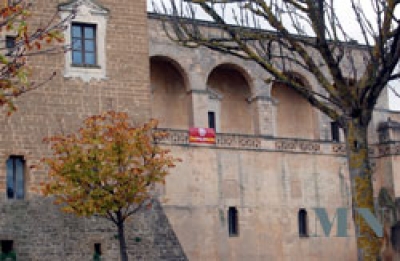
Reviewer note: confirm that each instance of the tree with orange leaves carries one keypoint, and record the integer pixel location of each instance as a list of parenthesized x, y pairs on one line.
[(25, 41), (109, 168)]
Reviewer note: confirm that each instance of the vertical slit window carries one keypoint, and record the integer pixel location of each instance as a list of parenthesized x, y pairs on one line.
[(15, 177), (303, 228), (335, 133), (233, 224), (97, 252), (83, 44), (211, 119)]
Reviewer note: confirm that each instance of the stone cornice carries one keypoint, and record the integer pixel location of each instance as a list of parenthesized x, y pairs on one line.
[(93, 6)]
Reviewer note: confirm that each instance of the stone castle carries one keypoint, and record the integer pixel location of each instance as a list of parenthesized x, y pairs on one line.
[(248, 197)]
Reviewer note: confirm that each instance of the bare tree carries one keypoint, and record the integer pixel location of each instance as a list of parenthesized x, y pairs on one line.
[(308, 34), (20, 42), (394, 91)]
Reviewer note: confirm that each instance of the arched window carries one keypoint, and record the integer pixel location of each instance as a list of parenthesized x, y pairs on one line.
[(15, 177), (303, 227), (233, 224)]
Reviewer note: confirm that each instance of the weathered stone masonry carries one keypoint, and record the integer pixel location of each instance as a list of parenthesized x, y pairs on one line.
[(273, 156), (38, 229)]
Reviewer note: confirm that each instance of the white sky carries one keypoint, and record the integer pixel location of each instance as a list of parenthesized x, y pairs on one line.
[(347, 16)]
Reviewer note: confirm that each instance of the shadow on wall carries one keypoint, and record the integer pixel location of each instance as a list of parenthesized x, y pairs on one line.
[(170, 101), (295, 117), (39, 231), (234, 110)]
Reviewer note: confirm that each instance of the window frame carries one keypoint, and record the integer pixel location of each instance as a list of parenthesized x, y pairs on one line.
[(86, 12), (83, 39), (14, 180)]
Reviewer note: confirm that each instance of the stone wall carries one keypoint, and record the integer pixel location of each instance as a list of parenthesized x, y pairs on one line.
[(268, 189), (266, 177), (39, 230), (266, 174)]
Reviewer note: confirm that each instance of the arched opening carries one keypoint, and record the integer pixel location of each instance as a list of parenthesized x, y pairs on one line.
[(229, 94), (303, 223), (295, 117), (170, 102)]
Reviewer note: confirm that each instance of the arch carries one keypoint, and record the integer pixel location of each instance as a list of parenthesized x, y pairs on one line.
[(295, 117), (232, 89), (303, 223), (173, 62), (170, 102), (234, 66)]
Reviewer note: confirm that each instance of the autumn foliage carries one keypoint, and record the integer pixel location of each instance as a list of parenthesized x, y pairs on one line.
[(26, 41), (108, 168)]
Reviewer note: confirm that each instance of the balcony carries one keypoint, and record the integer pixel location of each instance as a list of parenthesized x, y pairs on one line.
[(264, 143)]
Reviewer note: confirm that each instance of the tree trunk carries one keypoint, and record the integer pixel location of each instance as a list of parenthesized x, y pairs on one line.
[(368, 243), (121, 238)]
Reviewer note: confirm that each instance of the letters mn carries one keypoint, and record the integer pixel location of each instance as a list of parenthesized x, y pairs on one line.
[(341, 216)]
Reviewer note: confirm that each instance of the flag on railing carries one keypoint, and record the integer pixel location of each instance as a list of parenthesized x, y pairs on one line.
[(202, 135)]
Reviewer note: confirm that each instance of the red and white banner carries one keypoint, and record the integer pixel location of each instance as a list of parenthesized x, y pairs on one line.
[(202, 135)]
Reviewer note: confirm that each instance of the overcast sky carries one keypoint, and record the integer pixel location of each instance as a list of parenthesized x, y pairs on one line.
[(347, 16)]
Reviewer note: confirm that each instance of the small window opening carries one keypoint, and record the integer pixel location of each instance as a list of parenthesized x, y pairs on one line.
[(10, 44), (211, 119), (7, 250), (335, 131), (303, 228), (233, 224), (97, 252), (7, 246)]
